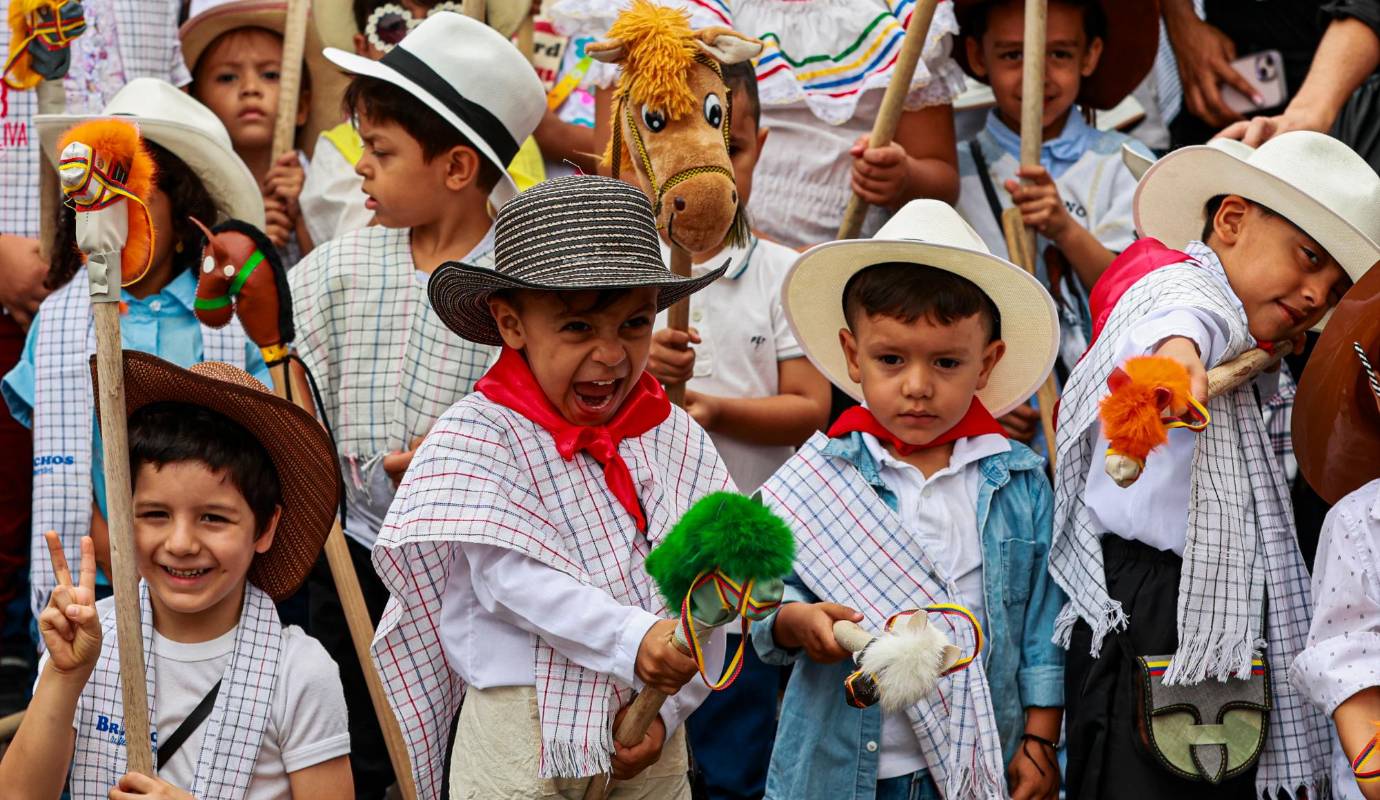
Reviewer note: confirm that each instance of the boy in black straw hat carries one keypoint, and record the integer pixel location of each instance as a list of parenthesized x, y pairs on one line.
[(514, 550), (234, 492), (440, 115)]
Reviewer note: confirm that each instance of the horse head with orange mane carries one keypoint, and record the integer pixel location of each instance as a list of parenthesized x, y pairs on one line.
[(671, 120)]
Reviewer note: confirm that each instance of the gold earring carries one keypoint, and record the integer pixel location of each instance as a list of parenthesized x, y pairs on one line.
[(177, 248)]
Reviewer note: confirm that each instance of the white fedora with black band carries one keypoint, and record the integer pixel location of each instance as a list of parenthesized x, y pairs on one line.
[(926, 233), (473, 77), (1314, 181)]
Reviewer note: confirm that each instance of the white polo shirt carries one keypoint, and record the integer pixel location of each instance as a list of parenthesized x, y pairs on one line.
[(745, 336)]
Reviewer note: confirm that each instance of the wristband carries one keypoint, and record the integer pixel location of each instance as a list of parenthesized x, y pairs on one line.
[(1364, 771)]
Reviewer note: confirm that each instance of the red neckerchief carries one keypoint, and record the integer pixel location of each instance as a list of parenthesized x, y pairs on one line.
[(976, 422), (510, 383), (1143, 257)]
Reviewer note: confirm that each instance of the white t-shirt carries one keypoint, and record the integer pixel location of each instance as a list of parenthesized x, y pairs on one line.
[(332, 198), (940, 514), (745, 335), (307, 725)]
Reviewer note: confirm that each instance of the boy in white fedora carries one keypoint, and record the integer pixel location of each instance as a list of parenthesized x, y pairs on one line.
[(515, 551), (234, 491), (440, 114), (917, 498), (49, 390), (1239, 249)]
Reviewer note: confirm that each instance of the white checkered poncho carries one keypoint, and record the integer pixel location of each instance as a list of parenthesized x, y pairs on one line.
[(487, 474), (63, 409), (234, 731), (1241, 548), (851, 548), (386, 365)]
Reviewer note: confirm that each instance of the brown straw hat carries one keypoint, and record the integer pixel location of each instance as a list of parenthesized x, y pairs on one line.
[(299, 446), (1128, 48), (1336, 425)]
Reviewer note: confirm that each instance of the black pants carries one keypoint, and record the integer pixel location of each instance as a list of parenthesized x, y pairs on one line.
[(373, 772), (1105, 755)]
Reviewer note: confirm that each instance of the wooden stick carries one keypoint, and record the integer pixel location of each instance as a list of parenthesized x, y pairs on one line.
[(52, 99), (893, 102), (678, 317), (1227, 376), (290, 76), (475, 9), (526, 37), (1020, 241), (357, 617), (110, 369)]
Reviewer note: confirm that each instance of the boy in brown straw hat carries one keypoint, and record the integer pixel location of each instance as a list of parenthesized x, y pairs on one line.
[(515, 549), (234, 492)]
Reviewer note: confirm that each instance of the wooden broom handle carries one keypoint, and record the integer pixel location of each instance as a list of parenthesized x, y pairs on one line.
[(1230, 374), (893, 102), (678, 316), (356, 613), (290, 79), (52, 99)]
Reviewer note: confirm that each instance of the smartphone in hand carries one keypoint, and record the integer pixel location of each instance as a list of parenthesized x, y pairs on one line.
[(1265, 72)]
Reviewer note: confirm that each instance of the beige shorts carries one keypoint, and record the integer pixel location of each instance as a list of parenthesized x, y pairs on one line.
[(497, 743)]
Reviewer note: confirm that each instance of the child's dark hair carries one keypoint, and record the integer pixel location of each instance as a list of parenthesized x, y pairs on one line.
[(910, 291), (741, 79), (187, 197), (601, 300), (972, 21), (381, 101), (1212, 206), (168, 433)]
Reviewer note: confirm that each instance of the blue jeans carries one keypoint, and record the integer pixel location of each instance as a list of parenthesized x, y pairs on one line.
[(915, 786), (732, 732)]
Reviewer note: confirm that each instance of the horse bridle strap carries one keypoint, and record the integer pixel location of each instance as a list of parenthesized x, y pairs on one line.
[(644, 157)]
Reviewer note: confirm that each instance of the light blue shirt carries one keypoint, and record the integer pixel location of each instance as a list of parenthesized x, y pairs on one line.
[(1057, 154), (163, 324)]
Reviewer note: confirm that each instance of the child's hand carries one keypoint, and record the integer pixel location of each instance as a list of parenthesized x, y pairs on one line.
[(1022, 423), (1184, 351), (703, 408), (1040, 204), (397, 462), (284, 181), (811, 626), (672, 359), (880, 174), (1033, 773), (70, 628), (629, 761), (138, 786), (660, 664), (278, 226)]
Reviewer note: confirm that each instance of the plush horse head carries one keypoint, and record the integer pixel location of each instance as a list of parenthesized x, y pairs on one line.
[(241, 274), (671, 120)]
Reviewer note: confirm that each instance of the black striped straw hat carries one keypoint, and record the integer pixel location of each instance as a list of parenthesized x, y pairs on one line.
[(570, 234)]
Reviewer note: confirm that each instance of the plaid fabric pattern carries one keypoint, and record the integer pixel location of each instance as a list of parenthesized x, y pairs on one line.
[(851, 548), (124, 39), (486, 474), (386, 364), (234, 730), (63, 410), (1278, 412), (1241, 547)]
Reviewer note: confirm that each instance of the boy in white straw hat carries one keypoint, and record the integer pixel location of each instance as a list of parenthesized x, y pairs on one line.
[(918, 498), (515, 549), (1264, 244), (234, 492), (440, 114), (197, 174)]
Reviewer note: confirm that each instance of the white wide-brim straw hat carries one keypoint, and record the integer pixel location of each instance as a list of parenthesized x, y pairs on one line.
[(1311, 179), (209, 19), (1139, 163), (175, 121), (932, 234), (470, 75)]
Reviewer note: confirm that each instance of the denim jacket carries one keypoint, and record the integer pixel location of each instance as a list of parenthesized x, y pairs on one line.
[(827, 749)]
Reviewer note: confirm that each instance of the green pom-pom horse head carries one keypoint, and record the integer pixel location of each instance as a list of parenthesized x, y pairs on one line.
[(725, 546)]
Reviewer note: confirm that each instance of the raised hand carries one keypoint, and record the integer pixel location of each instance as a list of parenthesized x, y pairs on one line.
[(70, 627)]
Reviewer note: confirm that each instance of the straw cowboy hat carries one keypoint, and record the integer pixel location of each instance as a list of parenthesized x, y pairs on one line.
[(211, 18), (1311, 179), (1128, 49), (1138, 163), (1336, 420), (175, 121), (299, 447), (929, 233), (473, 77), (335, 19), (576, 233)]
